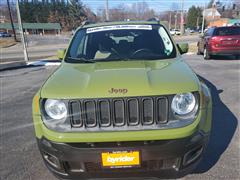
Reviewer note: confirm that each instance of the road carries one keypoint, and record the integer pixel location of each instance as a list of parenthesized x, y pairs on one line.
[(15, 53), (20, 158), (42, 47), (39, 47)]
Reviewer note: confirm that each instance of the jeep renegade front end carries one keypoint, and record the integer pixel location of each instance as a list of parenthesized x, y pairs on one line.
[(123, 103)]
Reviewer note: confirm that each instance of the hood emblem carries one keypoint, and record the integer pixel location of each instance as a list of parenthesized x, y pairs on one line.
[(118, 91)]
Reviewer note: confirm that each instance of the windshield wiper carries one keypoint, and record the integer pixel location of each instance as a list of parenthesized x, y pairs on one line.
[(83, 60)]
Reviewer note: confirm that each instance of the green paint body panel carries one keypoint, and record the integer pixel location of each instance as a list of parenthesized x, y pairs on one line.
[(141, 78)]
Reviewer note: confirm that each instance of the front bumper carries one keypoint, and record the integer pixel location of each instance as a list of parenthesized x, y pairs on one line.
[(164, 158)]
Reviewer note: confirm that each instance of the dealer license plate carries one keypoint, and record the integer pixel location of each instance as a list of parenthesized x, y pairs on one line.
[(121, 159)]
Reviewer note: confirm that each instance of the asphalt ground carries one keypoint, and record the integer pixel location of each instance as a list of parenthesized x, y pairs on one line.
[(38, 47), (21, 160), (42, 47)]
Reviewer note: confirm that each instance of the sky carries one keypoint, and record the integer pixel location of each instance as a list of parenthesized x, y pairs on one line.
[(157, 5)]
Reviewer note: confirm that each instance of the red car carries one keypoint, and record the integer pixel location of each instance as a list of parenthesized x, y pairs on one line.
[(220, 41)]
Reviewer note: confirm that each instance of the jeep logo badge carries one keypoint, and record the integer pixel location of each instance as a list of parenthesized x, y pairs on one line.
[(118, 91)]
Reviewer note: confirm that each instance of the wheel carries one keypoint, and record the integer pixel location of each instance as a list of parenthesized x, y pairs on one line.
[(237, 57), (206, 54)]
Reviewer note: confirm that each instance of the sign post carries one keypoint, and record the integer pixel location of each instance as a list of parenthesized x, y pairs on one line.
[(22, 33)]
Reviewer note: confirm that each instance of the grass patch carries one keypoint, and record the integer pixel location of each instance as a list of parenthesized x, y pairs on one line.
[(52, 58), (193, 47), (7, 42)]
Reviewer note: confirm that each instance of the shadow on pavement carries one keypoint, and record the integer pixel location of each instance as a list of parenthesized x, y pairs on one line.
[(34, 64), (225, 58), (224, 124)]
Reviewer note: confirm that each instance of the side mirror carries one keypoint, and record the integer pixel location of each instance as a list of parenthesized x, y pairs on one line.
[(61, 53), (183, 48)]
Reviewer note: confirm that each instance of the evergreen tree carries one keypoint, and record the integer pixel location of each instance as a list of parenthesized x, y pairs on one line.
[(76, 13), (194, 17)]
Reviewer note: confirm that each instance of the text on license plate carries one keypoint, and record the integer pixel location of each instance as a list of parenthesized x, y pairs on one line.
[(120, 158)]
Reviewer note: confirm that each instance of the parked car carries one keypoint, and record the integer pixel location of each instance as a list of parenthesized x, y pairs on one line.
[(192, 31), (220, 41), (175, 32), (123, 103), (5, 34)]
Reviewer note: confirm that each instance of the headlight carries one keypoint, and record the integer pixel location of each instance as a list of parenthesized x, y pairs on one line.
[(183, 104), (55, 109)]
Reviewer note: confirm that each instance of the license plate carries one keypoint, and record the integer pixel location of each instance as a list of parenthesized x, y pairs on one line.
[(229, 42), (121, 159)]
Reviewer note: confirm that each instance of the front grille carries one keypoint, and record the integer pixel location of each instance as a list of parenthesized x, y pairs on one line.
[(118, 113)]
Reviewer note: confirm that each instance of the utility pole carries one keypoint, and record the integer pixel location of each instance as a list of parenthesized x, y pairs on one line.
[(197, 25), (107, 11), (203, 19), (175, 27), (11, 19), (182, 18), (21, 32), (170, 21)]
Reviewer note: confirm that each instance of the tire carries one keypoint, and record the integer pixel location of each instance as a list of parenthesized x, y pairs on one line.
[(206, 54), (237, 57)]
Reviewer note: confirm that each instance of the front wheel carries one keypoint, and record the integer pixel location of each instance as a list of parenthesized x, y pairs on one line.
[(206, 54), (237, 57)]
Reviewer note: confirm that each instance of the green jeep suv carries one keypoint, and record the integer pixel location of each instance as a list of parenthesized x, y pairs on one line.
[(123, 103)]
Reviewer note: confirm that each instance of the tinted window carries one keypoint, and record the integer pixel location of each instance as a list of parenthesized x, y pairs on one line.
[(121, 44), (209, 32), (227, 31)]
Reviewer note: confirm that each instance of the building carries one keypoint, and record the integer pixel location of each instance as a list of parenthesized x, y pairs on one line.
[(224, 22), (34, 28), (3, 19), (211, 14)]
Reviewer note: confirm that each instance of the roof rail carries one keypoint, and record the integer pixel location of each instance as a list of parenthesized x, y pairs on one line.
[(154, 19), (87, 22)]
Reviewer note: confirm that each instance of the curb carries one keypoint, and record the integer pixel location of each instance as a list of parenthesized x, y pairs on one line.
[(44, 63)]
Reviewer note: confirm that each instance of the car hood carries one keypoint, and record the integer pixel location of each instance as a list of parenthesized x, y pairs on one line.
[(118, 79)]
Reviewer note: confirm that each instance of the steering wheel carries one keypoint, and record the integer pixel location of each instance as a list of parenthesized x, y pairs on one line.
[(115, 52), (140, 51)]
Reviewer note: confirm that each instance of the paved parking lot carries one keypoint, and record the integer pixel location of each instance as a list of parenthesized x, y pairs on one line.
[(20, 159)]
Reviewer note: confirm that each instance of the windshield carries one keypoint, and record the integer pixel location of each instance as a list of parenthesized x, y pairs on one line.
[(121, 42), (227, 31)]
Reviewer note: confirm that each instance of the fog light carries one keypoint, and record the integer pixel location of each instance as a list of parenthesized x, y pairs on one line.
[(52, 160), (192, 155)]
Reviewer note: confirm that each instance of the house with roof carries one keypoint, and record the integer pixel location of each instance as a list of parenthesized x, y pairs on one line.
[(211, 14), (224, 22)]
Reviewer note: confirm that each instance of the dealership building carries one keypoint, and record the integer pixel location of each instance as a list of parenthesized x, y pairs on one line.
[(33, 28)]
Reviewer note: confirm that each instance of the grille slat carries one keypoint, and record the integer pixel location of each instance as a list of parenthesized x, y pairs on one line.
[(162, 107), (75, 109), (90, 114), (133, 112), (148, 111), (118, 112), (104, 111)]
